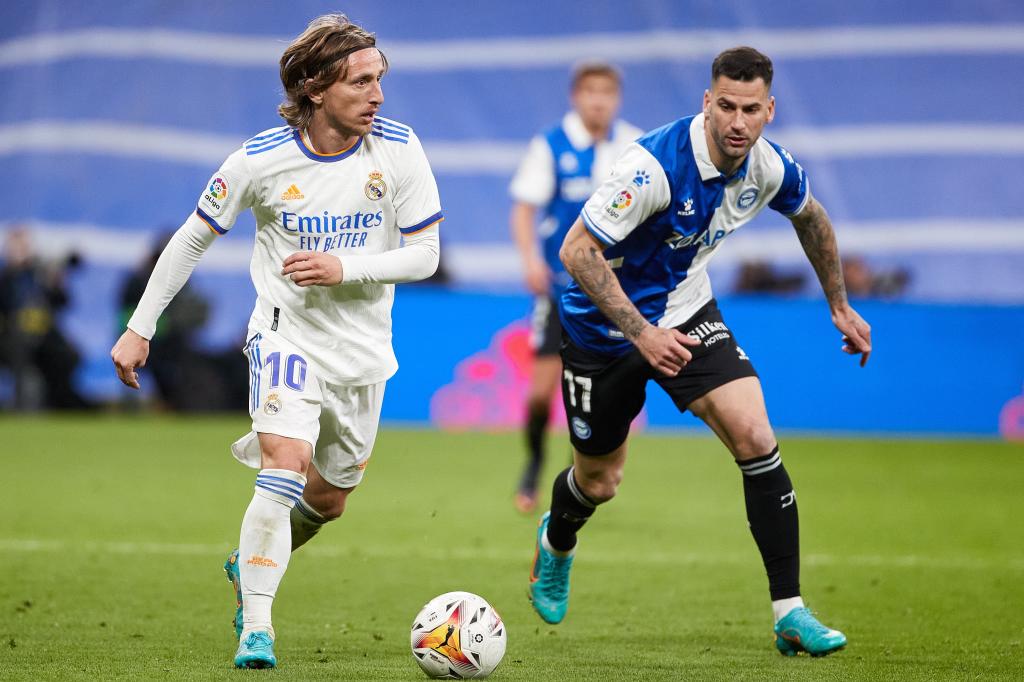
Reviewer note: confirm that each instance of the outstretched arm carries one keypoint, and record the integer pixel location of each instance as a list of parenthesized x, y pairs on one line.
[(818, 239), (583, 256), (172, 270)]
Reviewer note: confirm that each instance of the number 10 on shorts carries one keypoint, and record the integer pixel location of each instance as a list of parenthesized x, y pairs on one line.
[(584, 383), (294, 371)]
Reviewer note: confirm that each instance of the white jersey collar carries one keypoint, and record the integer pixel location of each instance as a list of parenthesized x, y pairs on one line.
[(701, 155), (699, 144)]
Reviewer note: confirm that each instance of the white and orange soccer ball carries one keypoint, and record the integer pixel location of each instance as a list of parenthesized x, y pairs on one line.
[(458, 635)]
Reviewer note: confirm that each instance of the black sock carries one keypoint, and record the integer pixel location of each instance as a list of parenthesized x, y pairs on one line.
[(771, 512), (536, 425), (570, 509)]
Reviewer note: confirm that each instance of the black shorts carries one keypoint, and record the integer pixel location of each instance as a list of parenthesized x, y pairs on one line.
[(602, 394), (545, 327)]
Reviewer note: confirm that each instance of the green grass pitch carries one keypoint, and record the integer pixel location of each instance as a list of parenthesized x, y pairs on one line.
[(113, 531)]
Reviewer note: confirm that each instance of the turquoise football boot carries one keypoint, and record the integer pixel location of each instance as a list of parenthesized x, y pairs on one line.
[(800, 631), (549, 580), (256, 651), (231, 568)]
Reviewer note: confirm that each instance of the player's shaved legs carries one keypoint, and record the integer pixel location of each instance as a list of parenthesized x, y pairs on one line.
[(326, 498), (264, 544), (736, 413), (280, 452), (577, 492), (320, 502), (599, 476)]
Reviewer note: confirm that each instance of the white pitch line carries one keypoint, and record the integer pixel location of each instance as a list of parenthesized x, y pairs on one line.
[(504, 555)]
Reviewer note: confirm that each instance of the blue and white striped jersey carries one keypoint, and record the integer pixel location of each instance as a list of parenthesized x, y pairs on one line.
[(662, 214), (561, 169)]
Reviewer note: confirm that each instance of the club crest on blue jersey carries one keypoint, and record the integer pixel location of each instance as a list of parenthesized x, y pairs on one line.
[(747, 198), (375, 188)]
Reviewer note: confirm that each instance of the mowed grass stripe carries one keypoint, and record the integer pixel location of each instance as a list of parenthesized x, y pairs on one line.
[(502, 556)]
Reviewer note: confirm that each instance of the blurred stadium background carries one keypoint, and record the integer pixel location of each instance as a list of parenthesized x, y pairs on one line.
[(909, 118)]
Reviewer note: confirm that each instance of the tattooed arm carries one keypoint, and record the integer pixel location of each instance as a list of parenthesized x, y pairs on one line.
[(583, 256), (818, 239)]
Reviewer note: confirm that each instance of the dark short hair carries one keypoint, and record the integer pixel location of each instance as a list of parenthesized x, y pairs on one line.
[(594, 67), (742, 64)]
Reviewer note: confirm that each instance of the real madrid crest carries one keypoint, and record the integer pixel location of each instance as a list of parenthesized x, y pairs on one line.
[(273, 404), (375, 188)]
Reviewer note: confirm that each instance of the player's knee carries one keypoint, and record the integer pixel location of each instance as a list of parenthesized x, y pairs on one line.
[(601, 486), (331, 505), (753, 440)]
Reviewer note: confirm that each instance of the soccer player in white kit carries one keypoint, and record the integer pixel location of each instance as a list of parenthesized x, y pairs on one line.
[(346, 206)]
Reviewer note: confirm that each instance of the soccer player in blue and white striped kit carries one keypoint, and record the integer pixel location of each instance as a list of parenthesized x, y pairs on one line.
[(561, 169), (640, 308)]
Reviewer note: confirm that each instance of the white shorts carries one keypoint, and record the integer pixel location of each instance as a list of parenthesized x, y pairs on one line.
[(288, 398)]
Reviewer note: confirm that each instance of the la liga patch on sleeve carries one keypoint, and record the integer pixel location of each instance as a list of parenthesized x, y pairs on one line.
[(214, 197), (620, 203)]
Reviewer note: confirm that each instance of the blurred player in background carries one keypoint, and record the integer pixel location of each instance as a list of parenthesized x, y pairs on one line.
[(562, 168), (335, 194), (640, 308)]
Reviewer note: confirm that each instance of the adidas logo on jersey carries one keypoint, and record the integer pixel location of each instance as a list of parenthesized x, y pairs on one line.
[(292, 193)]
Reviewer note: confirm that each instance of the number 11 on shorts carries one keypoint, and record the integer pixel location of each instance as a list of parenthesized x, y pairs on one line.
[(585, 384)]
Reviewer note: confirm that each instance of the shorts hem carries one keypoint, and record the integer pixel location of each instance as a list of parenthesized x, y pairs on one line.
[(596, 454), (284, 433), (718, 382), (333, 480)]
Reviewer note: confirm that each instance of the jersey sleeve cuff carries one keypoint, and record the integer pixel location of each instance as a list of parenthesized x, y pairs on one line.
[(423, 224), (593, 229)]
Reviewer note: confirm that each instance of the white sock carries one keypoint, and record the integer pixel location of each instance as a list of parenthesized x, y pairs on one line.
[(266, 543), (780, 607), (547, 545)]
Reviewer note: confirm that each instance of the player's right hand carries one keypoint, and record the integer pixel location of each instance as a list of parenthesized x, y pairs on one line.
[(538, 276), (665, 349), (129, 353)]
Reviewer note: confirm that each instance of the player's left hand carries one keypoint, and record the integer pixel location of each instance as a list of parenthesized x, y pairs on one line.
[(311, 268), (856, 332)]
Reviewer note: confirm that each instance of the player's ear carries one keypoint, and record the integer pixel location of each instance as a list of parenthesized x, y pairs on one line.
[(707, 103), (771, 110), (315, 96)]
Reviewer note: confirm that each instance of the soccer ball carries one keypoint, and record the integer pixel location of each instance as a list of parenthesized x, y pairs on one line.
[(458, 635)]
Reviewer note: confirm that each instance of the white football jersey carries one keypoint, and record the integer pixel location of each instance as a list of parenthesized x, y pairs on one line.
[(359, 201)]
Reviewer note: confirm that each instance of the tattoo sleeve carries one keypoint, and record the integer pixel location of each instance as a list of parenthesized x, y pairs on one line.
[(590, 269), (818, 239)]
